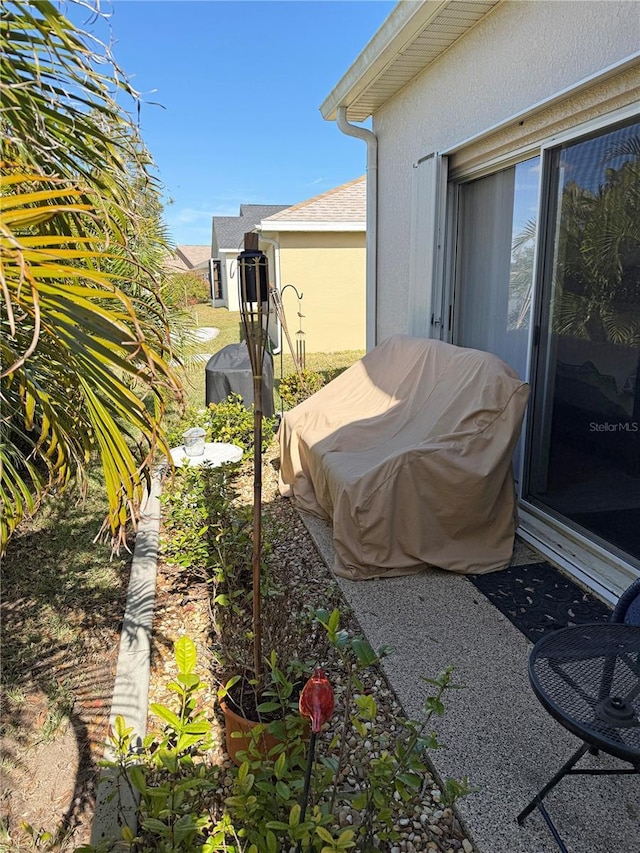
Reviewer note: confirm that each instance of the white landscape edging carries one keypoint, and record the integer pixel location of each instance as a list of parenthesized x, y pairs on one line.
[(115, 808)]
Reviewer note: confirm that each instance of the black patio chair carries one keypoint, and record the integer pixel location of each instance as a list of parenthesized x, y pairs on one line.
[(627, 610)]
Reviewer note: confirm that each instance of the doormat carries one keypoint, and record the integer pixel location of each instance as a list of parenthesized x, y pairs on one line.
[(620, 526), (537, 598)]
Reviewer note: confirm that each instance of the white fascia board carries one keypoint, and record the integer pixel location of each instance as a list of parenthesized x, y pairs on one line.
[(404, 24), (300, 225)]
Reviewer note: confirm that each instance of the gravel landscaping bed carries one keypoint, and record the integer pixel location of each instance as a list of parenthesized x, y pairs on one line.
[(182, 607)]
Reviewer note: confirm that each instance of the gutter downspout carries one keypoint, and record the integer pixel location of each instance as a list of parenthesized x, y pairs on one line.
[(372, 222), (276, 261)]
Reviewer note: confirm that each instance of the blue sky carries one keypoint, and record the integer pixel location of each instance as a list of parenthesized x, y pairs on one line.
[(240, 84)]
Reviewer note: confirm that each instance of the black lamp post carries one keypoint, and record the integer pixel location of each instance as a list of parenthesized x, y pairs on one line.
[(253, 277)]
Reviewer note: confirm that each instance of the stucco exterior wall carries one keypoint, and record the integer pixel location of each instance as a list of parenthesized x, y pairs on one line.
[(522, 53), (328, 268)]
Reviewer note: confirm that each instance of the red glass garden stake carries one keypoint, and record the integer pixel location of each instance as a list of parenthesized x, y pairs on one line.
[(316, 702)]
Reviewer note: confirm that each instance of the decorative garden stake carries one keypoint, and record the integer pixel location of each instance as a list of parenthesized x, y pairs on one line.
[(254, 308), (316, 702)]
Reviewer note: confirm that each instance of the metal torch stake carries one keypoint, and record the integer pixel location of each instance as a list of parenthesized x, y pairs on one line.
[(254, 307), (307, 783)]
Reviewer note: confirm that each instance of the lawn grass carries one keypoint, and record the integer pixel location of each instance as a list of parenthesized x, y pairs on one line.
[(230, 325), (228, 322), (62, 596)]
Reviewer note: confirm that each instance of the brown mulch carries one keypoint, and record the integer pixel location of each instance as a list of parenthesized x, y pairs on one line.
[(181, 608)]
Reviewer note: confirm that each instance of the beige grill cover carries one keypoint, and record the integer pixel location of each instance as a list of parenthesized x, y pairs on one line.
[(408, 453)]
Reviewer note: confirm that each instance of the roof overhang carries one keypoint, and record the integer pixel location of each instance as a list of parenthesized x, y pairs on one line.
[(281, 225), (414, 35)]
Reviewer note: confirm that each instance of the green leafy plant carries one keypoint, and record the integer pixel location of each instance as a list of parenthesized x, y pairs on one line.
[(394, 775), (169, 773), (293, 389), (187, 288), (84, 341), (179, 789), (228, 421), (263, 811), (207, 534), (231, 421), (265, 804), (187, 519)]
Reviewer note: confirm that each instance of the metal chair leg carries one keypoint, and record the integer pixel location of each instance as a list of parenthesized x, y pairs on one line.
[(552, 828), (536, 802)]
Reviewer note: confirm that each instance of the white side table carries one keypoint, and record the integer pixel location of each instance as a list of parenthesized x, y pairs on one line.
[(215, 453)]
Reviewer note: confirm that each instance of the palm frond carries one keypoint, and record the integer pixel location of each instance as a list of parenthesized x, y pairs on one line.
[(71, 361)]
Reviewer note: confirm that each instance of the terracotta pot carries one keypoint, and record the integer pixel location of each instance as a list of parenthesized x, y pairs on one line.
[(234, 723)]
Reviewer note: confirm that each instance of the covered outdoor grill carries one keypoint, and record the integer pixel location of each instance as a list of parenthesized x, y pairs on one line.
[(229, 372)]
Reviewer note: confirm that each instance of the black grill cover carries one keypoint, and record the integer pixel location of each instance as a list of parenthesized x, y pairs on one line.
[(229, 372)]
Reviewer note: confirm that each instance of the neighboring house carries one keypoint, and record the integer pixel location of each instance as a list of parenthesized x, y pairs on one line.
[(227, 241), (190, 259), (319, 247), (504, 187)]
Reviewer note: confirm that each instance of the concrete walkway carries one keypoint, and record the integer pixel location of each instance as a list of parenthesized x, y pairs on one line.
[(495, 730)]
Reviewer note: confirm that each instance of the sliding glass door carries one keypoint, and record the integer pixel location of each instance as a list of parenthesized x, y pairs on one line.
[(495, 264), (584, 459), (547, 276)]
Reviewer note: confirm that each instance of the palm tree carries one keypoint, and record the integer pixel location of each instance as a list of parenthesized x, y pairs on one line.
[(84, 338)]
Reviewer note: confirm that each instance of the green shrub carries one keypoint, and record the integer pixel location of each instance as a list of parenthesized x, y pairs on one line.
[(330, 373), (293, 389), (229, 421), (181, 809), (177, 783), (187, 288)]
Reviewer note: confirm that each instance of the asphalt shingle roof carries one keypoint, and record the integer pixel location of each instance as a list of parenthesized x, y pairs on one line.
[(184, 258), (346, 203), (193, 255), (229, 231)]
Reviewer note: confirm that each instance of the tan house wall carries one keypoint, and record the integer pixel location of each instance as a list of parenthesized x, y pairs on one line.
[(328, 268)]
